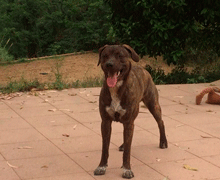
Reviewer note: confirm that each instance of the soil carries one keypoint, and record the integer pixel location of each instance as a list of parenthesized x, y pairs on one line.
[(71, 67)]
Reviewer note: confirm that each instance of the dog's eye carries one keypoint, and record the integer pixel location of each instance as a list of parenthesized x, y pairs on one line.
[(104, 56)]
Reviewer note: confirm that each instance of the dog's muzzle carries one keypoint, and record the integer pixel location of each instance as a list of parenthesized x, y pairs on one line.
[(112, 80)]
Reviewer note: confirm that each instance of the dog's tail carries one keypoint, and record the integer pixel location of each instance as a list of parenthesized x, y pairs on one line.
[(211, 91)]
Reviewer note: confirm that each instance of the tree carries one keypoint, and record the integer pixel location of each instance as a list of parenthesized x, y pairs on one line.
[(19, 23), (39, 28), (167, 28)]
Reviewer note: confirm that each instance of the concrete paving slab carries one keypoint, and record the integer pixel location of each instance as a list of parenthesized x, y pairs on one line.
[(7, 172), (45, 166), (31, 149), (175, 169), (55, 135), (13, 123), (152, 154), (84, 176), (20, 135)]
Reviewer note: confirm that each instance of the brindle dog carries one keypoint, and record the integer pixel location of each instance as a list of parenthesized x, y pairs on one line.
[(125, 86)]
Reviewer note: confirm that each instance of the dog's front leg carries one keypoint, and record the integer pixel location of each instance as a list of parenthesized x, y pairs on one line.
[(106, 135), (128, 135)]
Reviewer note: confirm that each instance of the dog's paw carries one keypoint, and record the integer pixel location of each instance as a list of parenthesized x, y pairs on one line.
[(100, 170), (163, 144), (121, 148), (128, 174)]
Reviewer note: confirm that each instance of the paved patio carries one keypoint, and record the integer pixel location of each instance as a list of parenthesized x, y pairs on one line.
[(55, 135)]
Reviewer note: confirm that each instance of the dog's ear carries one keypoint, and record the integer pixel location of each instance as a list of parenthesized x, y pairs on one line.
[(134, 55), (100, 52)]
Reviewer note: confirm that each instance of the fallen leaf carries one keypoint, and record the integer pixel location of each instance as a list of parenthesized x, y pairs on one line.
[(43, 73), (11, 165), (209, 110), (25, 147), (158, 160), (184, 147), (66, 135), (52, 91), (72, 94), (64, 109), (179, 125), (166, 178), (189, 168), (92, 101), (206, 136), (44, 166), (81, 92), (45, 100), (178, 96), (52, 110)]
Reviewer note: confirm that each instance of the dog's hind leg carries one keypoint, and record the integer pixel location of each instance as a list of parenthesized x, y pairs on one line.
[(155, 110), (121, 148)]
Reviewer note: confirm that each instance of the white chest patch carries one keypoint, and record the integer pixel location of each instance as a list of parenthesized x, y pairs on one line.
[(115, 104)]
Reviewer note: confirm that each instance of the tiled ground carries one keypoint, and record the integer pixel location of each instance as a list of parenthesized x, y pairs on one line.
[(56, 136)]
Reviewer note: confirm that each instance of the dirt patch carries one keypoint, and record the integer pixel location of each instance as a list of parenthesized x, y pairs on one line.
[(72, 68)]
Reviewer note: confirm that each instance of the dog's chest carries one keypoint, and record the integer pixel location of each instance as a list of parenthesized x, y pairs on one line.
[(115, 110)]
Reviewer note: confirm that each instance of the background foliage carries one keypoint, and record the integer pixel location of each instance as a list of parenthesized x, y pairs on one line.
[(178, 30), (39, 28), (175, 29)]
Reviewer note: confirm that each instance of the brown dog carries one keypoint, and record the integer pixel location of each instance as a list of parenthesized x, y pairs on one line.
[(213, 97), (125, 86)]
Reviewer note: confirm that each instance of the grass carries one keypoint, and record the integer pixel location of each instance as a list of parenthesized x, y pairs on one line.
[(24, 85)]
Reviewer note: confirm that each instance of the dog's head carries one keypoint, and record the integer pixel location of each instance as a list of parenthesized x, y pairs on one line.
[(114, 62)]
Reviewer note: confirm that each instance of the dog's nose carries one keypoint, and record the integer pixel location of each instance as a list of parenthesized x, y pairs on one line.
[(109, 64)]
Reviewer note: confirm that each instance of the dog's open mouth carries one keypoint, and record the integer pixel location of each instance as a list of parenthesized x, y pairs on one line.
[(112, 80)]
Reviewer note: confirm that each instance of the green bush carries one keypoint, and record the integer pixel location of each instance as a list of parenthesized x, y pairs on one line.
[(180, 75)]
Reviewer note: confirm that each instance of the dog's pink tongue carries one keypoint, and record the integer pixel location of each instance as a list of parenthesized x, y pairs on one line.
[(111, 81)]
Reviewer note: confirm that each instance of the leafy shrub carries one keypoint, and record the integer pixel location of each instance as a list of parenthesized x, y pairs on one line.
[(180, 75), (167, 28), (157, 74)]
